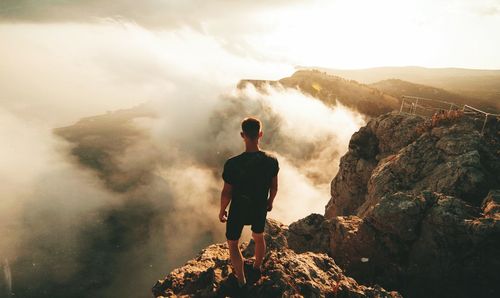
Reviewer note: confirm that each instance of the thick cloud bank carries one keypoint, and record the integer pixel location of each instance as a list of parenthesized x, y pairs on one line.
[(103, 206)]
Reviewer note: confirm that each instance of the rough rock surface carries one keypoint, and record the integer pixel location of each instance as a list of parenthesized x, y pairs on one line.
[(309, 234), (381, 137), (389, 155), (418, 211), (491, 205), (427, 245), (286, 274)]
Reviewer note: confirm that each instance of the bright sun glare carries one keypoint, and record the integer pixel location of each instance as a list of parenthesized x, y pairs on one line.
[(360, 34)]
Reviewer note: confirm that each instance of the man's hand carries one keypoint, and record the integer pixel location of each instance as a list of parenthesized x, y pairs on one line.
[(269, 205), (223, 216)]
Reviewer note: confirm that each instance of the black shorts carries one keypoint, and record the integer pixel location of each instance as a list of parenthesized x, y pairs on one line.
[(234, 226)]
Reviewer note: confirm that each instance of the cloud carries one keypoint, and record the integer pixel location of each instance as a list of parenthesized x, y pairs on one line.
[(489, 11), (117, 197), (149, 13), (45, 199), (108, 66)]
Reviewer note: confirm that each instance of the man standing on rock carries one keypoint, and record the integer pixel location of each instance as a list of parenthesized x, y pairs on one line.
[(250, 184)]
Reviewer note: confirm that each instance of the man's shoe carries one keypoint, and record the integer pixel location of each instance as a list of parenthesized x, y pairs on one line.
[(253, 274), (243, 291), (232, 288)]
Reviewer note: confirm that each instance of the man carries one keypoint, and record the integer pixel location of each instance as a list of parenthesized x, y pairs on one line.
[(250, 184)]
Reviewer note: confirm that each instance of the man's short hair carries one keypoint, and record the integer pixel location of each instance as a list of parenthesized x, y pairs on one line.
[(251, 127)]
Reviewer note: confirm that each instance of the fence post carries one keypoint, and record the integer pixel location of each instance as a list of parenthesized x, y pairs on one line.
[(484, 124)]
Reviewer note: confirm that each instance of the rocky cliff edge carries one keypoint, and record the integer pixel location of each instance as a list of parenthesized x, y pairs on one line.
[(415, 208), (286, 273)]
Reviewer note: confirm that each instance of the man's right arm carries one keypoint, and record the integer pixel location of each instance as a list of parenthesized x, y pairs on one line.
[(273, 190), (227, 190)]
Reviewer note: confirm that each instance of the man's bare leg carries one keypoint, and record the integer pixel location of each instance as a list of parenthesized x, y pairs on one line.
[(260, 249), (236, 260)]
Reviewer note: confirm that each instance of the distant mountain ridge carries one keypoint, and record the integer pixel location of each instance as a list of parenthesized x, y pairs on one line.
[(380, 92), (415, 73), (481, 84), (330, 89), (399, 88)]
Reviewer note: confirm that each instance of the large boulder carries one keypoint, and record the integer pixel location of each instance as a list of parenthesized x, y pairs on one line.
[(382, 136), (430, 244), (415, 206), (309, 234), (393, 153)]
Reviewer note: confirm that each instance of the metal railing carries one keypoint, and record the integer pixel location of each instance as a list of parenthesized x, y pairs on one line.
[(471, 110), (428, 107)]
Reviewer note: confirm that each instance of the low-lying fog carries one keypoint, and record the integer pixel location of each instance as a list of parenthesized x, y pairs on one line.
[(106, 207)]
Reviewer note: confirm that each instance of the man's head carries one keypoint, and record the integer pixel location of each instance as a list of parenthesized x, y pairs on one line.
[(251, 128)]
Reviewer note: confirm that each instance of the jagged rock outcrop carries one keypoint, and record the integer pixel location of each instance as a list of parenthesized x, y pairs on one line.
[(390, 155), (286, 274), (380, 138), (418, 210), (431, 244), (427, 245)]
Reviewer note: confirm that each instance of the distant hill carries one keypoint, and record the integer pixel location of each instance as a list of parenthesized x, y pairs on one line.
[(98, 141), (329, 88), (481, 86)]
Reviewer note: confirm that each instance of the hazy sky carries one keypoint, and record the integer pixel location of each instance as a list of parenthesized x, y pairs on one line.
[(64, 60), (337, 34)]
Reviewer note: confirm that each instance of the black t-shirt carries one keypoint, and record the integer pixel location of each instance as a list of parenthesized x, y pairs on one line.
[(250, 175)]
